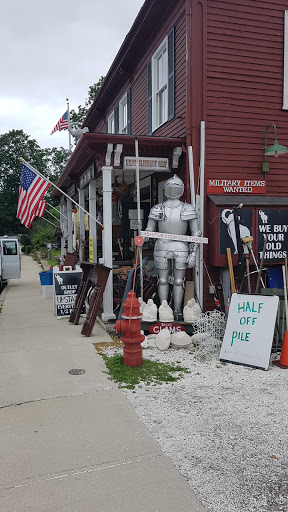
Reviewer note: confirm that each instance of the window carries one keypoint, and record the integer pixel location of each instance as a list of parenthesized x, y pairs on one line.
[(119, 121), (160, 86), (285, 78), (9, 248), (123, 115), (111, 123), (160, 75)]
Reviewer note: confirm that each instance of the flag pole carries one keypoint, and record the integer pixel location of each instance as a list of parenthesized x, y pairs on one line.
[(69, 134), (51, 215), (49, 221), (54, 208), (60, 190)]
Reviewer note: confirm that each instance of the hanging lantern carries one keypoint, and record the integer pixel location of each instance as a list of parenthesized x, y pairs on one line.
[(123, 187)]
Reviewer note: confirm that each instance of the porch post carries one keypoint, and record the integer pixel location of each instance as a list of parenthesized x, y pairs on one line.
[(70, 226), (92, 223), (65, 229), (62, 224), (81, 200), (107, 242)]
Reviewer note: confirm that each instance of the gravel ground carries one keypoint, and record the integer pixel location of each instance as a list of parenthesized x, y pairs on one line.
[(224, 427)]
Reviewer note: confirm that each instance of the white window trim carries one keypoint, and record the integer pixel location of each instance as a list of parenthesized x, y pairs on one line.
[(155, 121), (285, 73), (111, 120), (123, 128)]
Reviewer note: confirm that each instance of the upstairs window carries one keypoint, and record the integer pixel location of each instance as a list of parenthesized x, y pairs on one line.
[(123, 115), (111, 123), (161, 84), (119, 121)]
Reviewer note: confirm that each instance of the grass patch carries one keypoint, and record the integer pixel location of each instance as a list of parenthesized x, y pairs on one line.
[(54, 256), (150, 372)]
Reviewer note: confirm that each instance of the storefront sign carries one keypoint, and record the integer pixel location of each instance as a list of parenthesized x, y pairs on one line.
[(227, 229), (273, 224), (72, 190), (87, 176), (66, 285), (216, 186), (146, 164), (91, 253), (156, 328), (249, 331), (170, 236)]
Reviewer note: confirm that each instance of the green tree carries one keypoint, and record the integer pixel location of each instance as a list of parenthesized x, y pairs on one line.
[(79, 116), (49, 162)]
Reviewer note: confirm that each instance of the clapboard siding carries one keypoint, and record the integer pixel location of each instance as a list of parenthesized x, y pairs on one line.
[(245, 90)]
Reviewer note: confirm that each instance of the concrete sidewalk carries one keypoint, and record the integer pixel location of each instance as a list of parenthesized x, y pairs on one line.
[(71, 443)]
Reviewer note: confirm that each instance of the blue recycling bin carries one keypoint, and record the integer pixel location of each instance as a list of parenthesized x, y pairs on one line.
[(46, 277)]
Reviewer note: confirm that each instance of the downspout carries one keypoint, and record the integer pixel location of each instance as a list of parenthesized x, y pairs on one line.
[(188, 8)]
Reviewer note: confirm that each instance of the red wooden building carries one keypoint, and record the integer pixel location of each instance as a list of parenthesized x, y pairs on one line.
[(206, 74)]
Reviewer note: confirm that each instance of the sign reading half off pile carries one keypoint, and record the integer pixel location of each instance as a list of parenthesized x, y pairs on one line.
[(249, 331)]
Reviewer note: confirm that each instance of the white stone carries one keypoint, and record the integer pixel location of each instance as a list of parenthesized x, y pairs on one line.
[(165, 312), (163, 339), (180, 339), (150, 312), (191, 311), (151, 339), (144, 343)]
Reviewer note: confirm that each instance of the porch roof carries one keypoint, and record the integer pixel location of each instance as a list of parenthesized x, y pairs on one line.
[(92, 147)]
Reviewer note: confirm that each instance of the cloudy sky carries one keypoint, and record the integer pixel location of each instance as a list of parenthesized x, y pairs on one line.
[(55, 50)]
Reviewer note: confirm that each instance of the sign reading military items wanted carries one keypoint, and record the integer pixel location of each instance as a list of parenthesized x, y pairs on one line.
[(273, 224), (66, 284), (249, 331)]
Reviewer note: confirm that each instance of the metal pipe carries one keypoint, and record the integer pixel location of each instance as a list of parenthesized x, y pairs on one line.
[(139, 215)]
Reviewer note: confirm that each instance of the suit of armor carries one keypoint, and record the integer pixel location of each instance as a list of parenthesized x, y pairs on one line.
[(172, 257)]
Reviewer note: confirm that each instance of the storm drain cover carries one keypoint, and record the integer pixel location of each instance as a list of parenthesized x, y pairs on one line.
[(75, 371)]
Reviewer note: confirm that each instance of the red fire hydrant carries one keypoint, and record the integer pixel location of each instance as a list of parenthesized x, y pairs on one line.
[(130, 327)]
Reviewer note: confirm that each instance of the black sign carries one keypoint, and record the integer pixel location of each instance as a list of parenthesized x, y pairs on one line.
[(66, 286), (227, 228), (273, 224)]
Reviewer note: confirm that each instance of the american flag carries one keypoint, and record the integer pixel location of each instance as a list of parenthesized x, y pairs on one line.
[(62, 123), (32, 189), (39, 211)]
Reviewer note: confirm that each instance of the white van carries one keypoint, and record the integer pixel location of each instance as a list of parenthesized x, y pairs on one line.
[(10, 262)]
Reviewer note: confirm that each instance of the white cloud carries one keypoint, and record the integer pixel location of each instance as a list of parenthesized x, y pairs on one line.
[(53, 50)]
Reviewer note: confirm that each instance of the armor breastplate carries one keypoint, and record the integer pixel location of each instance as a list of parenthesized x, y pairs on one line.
[(172, 221)]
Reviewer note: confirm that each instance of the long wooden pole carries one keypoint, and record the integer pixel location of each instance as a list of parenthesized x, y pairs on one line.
[(231, 271)]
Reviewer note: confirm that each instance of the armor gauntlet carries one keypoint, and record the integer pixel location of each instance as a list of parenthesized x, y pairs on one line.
[(191, 258)]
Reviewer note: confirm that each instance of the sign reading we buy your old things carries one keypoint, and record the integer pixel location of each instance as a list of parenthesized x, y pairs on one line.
[(249, 331)]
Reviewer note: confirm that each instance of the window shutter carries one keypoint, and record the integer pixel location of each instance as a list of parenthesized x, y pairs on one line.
[(116, 119), (129, 112), (107, 130), (149, 98), (171, 76)]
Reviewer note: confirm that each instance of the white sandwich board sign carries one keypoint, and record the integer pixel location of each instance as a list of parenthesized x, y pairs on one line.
[(249, 331)]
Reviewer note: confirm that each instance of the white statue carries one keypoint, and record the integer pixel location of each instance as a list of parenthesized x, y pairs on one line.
[(165, 312), (150, 312), (191, 311), (142, 305)]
